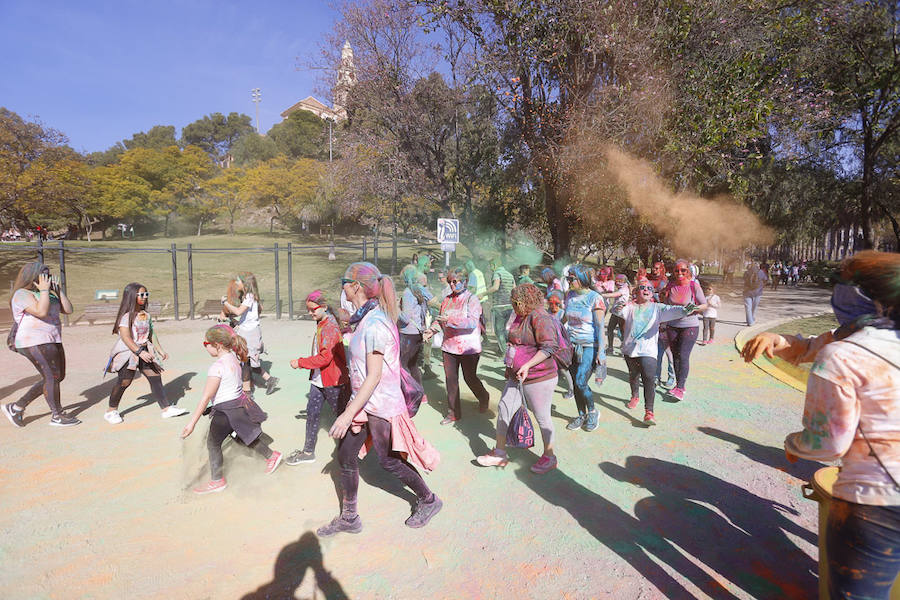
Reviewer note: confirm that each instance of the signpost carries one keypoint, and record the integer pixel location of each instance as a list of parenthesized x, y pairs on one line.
[(448, 236)]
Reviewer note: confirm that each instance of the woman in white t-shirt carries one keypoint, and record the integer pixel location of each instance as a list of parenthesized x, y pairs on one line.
[(136, 351), (247, 326), (231, 409), (36, 304), (376, 415)]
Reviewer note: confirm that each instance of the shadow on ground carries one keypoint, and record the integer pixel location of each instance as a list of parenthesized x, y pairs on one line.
[(766, 455), (291, 566), (742, 540)]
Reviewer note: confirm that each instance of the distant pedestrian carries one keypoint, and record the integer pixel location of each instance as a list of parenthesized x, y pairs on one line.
[(476, 283), (502, 284), (413, 310), (754, 282), (524, 275), (713, 302)]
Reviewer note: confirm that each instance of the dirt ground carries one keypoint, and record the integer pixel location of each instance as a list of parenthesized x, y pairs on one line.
[(702, 505)]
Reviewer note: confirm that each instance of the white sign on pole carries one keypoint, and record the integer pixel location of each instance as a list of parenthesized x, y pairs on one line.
[(448, 231), (448, 247)]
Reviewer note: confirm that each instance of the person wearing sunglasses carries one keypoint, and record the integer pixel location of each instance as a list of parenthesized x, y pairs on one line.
[(36, 303), (584, 327), (136, 352), (642, 319), (460, 321), (681, 335), (377, 411)]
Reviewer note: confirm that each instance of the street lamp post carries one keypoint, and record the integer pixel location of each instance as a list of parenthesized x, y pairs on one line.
[(256, 95)]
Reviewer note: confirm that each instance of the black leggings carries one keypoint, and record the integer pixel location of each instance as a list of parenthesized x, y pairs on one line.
[(126, 376), (681, 341), (247, 370), (390, 461), (410, 352), (614, 321), (642, 367), (469, 364), (50, 361), (219, 430), (336, 397)]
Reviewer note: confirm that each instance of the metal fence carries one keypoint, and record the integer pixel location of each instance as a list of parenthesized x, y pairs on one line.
[(99, 266)]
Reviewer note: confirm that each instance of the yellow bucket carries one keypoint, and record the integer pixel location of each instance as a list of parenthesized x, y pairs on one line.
[(819, 489)]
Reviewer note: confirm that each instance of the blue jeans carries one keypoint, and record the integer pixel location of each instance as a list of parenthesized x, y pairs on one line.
[(751, 303), (863, 544), (664, 350), (581, 368)]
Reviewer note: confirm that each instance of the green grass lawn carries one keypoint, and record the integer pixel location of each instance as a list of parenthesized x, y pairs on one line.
[(90, 271), (806, 327)]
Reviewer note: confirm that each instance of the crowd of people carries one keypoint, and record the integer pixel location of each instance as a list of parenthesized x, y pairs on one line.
[(372, 349)]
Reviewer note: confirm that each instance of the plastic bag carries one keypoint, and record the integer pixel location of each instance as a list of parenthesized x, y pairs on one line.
[(413, 392)]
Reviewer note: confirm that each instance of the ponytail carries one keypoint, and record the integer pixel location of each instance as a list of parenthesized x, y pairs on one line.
[(387, 298), (228, 338)]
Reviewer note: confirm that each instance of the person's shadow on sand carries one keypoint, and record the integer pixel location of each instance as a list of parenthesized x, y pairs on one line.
[(290, 569)]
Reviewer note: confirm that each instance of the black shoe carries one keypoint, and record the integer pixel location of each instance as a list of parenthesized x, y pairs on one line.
[(339, 525), (270, 385), (424, 512), (300, 456), (16, 417), (62, 420)]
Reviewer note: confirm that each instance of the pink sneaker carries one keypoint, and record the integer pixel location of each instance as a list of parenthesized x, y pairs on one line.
[(544, 464), (494, 458), (273, 461), (677, 393), (710, 341), (649, 418), (633, 402), (216, 485)]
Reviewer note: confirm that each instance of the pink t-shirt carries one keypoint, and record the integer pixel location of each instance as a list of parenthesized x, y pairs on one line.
[(375, 333), (462, 331), (228, 369), (33, 331)]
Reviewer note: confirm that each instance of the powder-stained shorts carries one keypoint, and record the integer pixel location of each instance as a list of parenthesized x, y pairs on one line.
[(254, 344)]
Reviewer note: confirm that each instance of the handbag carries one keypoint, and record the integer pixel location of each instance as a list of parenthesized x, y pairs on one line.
[(11, 336), (520, 432)]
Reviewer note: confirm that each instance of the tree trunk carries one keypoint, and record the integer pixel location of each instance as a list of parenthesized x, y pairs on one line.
[(166, 227), (560, 235), (199, 225), (868, 180)]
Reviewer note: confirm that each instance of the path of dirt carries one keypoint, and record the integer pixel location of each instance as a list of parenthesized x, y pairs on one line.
[(702, 505)]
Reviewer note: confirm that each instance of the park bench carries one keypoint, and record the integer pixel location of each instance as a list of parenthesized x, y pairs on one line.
[(106, 295), (108, 312), (210, 308)]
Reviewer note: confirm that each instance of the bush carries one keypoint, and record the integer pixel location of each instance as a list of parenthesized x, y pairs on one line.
[(822, 272)]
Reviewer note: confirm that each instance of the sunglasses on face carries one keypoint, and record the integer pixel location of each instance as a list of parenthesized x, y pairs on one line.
[(143, 294), (314, 308), (645, 287), (205, 344), (570, 278), (345, 281), (453, 281)]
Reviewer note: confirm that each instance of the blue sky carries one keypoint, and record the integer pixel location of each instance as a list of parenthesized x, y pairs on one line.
[(102, 71)]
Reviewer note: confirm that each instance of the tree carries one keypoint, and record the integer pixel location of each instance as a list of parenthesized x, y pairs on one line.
[(227, 193), (157, 138), (216, 134), (24, 145), (301, 135), (252, 148), (284, 187)]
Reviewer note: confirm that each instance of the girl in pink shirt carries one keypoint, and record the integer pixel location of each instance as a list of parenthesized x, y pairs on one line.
[(376, 416)]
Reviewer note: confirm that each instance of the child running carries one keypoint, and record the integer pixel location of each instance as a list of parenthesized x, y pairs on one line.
[(248, 327), (329, 377), (639, 343), (232, 410)]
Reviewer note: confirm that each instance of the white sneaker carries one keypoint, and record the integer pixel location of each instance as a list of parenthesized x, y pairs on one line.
[(173, 411), (113, 417)]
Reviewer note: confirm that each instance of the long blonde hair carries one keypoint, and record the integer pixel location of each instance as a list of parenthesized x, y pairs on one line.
[(229, 339), (248, 279), (376, 285)]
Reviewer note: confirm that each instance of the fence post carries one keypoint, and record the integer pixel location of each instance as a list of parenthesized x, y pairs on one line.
[(375, 251), (174, 250), (277, 288), (290, 281), (62, 275), (191, 280), (365, 250), (40, 247), (394, 252)]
